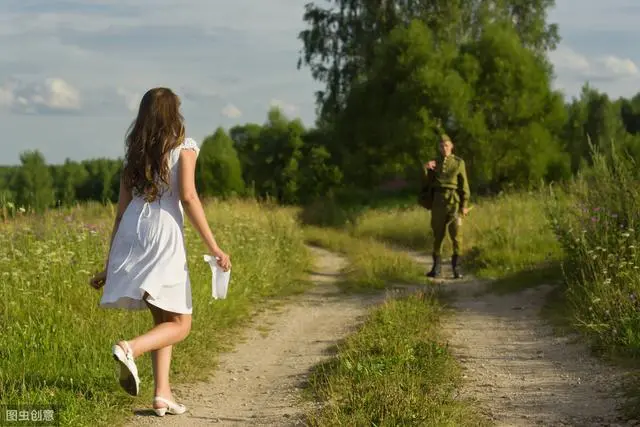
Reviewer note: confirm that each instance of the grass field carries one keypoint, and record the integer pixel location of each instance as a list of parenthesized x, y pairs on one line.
[(507, 237), (372, 264), (396, 370), (56, 341)]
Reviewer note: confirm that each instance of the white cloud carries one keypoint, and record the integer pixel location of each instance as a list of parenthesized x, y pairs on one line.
[(619, 66), (58, 95), (612, 74), (568, 59), (7, 97), (599, 67), (286, 108), (131, 99), (52, 95), (231, 111), (223, 55)]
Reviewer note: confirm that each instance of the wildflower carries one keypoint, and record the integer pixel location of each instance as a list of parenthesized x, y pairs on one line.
[(594, 219)]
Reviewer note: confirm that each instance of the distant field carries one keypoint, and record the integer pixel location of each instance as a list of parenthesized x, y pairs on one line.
[(503, 236)]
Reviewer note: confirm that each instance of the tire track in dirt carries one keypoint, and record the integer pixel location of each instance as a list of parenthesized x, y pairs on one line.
[(517, 369)]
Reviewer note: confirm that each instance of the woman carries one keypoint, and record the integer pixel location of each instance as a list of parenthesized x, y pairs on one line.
[(147, 264)]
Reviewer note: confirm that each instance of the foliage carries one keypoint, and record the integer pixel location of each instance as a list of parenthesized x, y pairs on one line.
[(339, 44), (33, 184), (490, 94), (599, 229), (284, 161), (372, 265), (218, 169), (396, 370)]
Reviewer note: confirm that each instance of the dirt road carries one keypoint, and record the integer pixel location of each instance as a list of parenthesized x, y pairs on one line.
[(259, 383), (516, 369)]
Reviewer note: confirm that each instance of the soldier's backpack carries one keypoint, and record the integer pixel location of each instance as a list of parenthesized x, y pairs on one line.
[(425, 195)]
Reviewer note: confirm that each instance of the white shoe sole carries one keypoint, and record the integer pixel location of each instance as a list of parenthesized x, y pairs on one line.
[(171, 408), (129, 380)]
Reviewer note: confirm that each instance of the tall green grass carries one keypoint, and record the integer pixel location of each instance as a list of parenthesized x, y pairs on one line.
[(599, 229), (504, 237), (395, 371), (56, 341), (372, 264)]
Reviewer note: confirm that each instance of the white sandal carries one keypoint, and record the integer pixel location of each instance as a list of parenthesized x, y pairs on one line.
[(171, 408), (128, 370)]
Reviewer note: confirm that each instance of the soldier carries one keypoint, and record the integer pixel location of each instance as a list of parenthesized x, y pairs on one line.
[(448, 179)]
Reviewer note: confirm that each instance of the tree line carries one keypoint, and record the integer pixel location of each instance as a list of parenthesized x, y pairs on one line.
[(396, 75), (278, 159)]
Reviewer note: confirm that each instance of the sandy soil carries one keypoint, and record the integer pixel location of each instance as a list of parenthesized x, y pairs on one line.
[(518, 370), (260, 382)]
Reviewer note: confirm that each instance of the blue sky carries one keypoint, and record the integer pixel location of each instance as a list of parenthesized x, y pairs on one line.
[(73, 71)]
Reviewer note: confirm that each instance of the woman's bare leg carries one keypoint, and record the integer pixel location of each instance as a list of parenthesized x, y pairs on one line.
[(173, 328), (161, 361), (169, 328)]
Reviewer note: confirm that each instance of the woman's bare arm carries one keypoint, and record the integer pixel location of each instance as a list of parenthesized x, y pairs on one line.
[(193, 207), (124, 198)]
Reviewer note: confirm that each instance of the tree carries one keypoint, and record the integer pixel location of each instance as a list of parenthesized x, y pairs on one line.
[(393, 117), (277, 160), (630, 112), (33, 184), (318, 175), (342, 35), (102, 180), (492, 95), (218, 170), (246, 141), (595, 122), (67, 178), (511, 133)]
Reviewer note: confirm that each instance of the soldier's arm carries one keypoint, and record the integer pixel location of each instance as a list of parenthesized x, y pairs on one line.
[(463, 186)]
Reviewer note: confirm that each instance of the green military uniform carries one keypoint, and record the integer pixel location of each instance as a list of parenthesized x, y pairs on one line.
[(451, 194)]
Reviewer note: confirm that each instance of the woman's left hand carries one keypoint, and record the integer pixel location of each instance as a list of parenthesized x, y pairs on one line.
[(98, 280)]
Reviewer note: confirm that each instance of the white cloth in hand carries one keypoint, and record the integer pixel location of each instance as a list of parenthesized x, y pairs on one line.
[(219, 278)]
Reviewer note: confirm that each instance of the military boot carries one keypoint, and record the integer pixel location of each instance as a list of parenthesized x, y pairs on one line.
[(435, 270), (457, 274)]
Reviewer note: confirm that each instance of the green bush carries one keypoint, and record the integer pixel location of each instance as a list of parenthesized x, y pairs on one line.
[(218, 171), (598, 228)]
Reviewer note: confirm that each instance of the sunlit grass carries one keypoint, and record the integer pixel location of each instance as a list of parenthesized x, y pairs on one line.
[(396, 371), (56, 341)]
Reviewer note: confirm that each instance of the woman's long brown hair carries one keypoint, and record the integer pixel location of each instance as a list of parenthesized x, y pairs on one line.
[(158, 129)]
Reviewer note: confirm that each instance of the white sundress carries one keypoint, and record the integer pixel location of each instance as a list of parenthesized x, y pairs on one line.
[(148, 253)]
